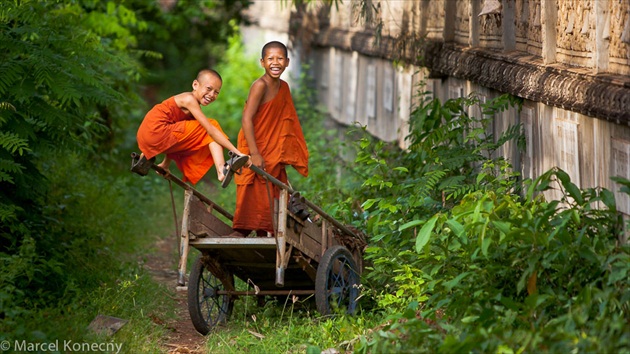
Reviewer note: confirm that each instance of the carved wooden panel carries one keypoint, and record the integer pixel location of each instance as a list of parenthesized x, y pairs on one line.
[(575, 32), (534, 29), (521, 24), (618, 28)]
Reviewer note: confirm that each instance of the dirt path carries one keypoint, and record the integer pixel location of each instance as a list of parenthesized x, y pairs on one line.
[(182, 338)]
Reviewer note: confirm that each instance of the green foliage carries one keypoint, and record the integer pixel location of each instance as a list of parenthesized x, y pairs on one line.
[(449, 156), (407, 282), (510, 274), (58, 75), (285, 325), (136, 298), (189, 35), (69, 88), (238, 72), (95, 221), (464, 257)]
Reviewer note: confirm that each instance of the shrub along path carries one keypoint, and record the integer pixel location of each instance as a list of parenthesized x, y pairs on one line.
[(182, 337)]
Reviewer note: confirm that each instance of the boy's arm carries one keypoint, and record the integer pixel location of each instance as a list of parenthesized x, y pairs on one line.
[(254, 98), (191, 104)]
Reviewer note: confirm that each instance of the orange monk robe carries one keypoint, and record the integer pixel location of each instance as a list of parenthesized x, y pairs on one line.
[(167, 129), (280, 142)]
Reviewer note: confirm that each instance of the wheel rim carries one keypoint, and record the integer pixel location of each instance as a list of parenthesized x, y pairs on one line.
[(213, 307), (340, 284)]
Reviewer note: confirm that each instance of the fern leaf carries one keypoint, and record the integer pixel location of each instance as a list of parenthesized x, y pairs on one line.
[(6, 106), (452, 182), (512, 132), (8, 212), (429, 181), (5, 177), (13, 142), (10, 166)]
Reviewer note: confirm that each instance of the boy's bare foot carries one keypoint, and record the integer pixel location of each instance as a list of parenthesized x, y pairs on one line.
[(164, 165)]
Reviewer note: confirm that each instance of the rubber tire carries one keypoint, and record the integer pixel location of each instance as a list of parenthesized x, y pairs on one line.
[(330, 281), (208, 310)]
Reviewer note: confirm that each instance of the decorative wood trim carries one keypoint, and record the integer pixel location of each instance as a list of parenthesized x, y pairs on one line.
[(603, 96)]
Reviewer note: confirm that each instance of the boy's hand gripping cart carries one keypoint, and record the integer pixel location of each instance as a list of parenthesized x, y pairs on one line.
[(307, 255)]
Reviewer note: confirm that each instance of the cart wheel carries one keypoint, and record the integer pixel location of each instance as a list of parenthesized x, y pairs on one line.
[(337, 281), (208, 309)]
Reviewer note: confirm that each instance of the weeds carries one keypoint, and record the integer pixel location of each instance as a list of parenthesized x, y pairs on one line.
[(85, 263), (287, 326)]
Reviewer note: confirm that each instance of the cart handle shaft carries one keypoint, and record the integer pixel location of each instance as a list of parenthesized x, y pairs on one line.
[(317, 209)]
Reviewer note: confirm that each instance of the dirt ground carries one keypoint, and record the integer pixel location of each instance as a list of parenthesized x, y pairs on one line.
[(182, 337)]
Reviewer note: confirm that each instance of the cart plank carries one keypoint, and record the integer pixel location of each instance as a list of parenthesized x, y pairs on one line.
[(233, 242), (307, 239), (202, 223)]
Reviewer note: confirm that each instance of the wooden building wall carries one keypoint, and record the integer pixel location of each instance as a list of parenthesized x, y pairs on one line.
[(568, 59)]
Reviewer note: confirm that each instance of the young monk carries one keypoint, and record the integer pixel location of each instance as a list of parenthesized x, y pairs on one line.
[(272, 135), (178, 128)]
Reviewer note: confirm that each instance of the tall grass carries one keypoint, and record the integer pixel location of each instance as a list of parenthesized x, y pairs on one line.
[(285, 325), (100, 219)]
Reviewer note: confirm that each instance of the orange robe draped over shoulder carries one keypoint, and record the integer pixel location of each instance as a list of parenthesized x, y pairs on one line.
[(280, 142), (167, 129)]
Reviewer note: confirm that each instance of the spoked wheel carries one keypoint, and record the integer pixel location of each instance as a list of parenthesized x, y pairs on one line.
[(206, 307), (337, 282)]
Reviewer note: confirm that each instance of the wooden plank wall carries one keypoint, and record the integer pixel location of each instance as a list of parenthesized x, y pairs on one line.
[(589, 150)]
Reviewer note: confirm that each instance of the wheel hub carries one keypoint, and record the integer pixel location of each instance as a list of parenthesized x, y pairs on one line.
[(209, 292)]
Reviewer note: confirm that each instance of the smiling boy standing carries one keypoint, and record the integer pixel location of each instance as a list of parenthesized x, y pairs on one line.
[(272, 135)]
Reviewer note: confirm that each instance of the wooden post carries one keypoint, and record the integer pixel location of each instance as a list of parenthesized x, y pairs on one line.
[(324, 237), (450, 11), (508, 24), (280, 238), (473, 23), (549, 18), (183, 240)]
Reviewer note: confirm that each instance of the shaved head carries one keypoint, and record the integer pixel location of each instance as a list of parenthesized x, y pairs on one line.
[(275, 44), (203, 73)]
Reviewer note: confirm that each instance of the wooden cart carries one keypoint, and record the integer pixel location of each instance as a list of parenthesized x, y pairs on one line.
[(317, 256)]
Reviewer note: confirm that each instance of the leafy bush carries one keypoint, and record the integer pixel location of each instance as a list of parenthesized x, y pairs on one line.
[(505, 273), (70, 215), (450, 154), (465, 257), (60, 80), (95, 221), (238, 71)]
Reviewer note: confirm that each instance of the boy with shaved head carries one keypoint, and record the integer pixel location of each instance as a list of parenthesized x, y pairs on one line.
[(178, 128), (271, 133)]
